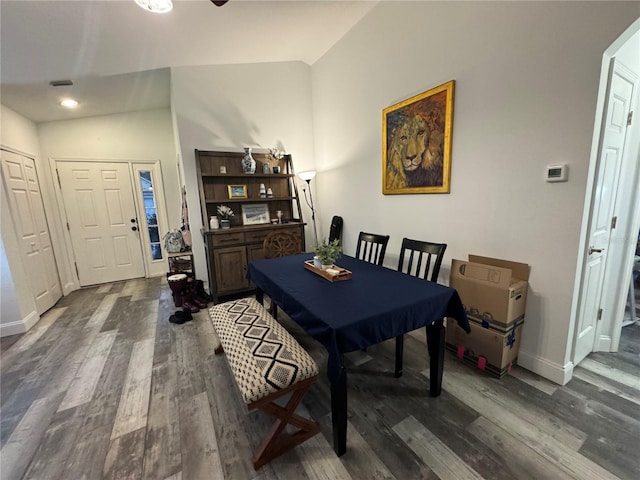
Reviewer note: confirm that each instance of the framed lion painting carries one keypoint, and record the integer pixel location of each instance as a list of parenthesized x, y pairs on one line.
[(416, 143)]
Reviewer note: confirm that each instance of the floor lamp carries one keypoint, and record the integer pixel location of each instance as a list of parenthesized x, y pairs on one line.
[(307, 177)]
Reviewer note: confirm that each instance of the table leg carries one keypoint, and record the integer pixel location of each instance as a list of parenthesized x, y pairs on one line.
[(260, 296), (339, 412), (399, 353), (435, 345)]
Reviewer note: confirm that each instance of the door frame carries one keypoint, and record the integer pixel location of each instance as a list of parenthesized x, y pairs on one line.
[(609, 329), (152, 267), (154, 165)]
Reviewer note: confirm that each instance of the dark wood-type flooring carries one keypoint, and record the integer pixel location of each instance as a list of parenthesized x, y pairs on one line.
[(105, 387)]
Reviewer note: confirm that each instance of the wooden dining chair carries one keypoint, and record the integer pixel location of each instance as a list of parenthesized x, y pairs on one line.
[(280, 243), (371, 247), (422, 260)]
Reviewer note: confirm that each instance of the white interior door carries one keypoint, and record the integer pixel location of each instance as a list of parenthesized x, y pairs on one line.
[(98, 200), (614, 130), (27, 208)]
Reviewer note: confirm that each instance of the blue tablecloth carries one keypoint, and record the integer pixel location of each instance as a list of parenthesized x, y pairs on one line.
[(375, 305)]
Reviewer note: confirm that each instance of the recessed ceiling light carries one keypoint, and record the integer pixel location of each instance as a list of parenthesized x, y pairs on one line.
[(69, 103), (155, 6), (61, 83)]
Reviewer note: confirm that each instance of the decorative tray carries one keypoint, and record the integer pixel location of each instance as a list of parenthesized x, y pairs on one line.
[(342, 273)]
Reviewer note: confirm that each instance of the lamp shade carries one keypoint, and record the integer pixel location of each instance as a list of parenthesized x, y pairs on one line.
[(308, 175)]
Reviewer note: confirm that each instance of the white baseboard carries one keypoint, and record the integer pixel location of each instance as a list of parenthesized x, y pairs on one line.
[(552, 371), (21, 326)]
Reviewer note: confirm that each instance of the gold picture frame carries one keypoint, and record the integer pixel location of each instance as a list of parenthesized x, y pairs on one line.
[(416, 143), (237, 191)]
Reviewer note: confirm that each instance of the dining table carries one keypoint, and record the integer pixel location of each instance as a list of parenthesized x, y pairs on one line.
[(375, 304)]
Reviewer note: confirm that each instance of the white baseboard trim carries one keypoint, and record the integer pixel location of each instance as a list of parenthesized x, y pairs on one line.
[(21, 326), (555, 372)]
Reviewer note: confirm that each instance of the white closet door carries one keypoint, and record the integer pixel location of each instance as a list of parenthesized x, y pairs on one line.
[(27, 209)]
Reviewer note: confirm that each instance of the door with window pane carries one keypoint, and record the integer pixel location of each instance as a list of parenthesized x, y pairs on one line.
[(152, 223)]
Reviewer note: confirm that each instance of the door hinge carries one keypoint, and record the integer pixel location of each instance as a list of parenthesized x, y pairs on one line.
[(599, 314), (614, 221), (77, 272), (629, 118), (68, 226), (58, 175)]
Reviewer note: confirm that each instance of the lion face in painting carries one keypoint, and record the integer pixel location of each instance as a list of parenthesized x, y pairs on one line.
[(412, 143), (414, 155)]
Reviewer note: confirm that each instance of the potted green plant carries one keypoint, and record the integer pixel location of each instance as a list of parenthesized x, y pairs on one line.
[(225, 214), (328, 252)]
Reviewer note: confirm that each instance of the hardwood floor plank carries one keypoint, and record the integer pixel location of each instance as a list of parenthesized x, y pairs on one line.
[(230, 419), (33, 335), (534, 380), (607, 371), (144, 326), (491, 400), (134, 403), (25, 439), (524, 463), (556, 446), (84, 384), (100, 315), (200, 456), (435, 454), (190, 381), (94, 437), (57, 443), (444, 416), (163, 456), (106, 288), (124, 459), (603, 383)]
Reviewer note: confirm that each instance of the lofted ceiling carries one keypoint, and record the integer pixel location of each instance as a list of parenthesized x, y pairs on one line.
[(118, 55)]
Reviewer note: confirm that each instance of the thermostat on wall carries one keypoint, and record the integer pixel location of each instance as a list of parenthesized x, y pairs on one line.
[(557, 173)]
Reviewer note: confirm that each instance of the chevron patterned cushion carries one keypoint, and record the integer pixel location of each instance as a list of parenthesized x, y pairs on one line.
[(263, 356)]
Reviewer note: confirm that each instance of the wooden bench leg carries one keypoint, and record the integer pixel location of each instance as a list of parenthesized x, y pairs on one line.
[(277, 442)]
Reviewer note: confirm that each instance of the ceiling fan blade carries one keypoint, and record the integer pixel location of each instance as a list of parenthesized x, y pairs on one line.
[(219, 3)]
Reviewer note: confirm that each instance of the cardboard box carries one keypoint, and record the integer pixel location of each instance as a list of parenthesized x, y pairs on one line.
[(489, 350), (494, 295), (493, 291)]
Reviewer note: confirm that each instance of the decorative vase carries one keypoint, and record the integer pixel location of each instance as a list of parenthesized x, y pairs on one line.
[(213, 223), (265, 168), (225, 224), (263, 191), (248, 163)]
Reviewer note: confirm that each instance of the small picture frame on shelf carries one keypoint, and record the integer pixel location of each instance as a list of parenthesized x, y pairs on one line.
[(276, 169), (255, 214), (237, 191)]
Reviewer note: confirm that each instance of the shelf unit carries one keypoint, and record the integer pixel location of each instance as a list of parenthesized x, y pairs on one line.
[(229, 251)]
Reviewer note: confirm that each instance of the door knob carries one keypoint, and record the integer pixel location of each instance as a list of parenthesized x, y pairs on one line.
[(134, 220), (134, 228), (595, 250)]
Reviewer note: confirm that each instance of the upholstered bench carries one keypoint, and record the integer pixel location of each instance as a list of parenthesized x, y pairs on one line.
[(267, 363)]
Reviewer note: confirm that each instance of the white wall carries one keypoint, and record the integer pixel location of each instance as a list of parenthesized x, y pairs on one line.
[(526, 85), (134, 136), (17, 306), (229, 107)]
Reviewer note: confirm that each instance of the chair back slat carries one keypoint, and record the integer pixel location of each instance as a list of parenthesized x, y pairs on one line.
[(433, 254), (371, 247)]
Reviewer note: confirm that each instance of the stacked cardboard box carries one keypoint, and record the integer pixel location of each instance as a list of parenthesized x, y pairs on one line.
[(494, 294)]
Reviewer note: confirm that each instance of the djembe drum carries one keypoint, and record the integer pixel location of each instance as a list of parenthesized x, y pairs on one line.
[(177, 284)]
